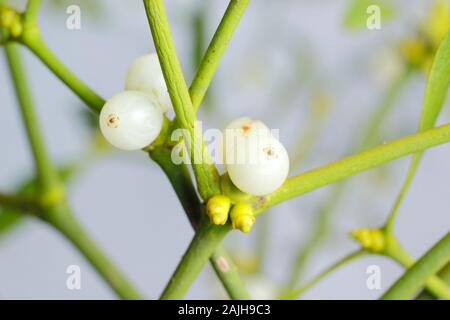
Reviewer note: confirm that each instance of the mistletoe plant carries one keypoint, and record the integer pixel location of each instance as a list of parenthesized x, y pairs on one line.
[(215, 204)]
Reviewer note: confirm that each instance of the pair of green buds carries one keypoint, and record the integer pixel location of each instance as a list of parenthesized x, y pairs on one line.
[(241, 214), (11, 20)]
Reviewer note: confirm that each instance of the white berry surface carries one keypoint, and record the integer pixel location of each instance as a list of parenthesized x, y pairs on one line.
[(145, 74), (131, 120), (259, 164), (238, 131)]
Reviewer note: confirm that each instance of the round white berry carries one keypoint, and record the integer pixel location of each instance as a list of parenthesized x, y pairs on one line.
[(237, 130), (145, 74), (259, 165), (131, 120)]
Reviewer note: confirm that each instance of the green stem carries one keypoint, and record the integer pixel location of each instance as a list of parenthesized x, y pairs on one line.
[(64, 221), (327, 174), (205, 242), (216, 49), (422, 272), (31, 12), (33, 40), (205, 171), (297, 292), (370, 135), (189, 267), (47, 177), (444, 275), (221, 261), (15, 202), (55, 210)]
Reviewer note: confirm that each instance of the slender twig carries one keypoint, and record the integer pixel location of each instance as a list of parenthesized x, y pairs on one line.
[(33, 40), (221, 261), (369, 137), (31, 11), (216, 49), (296, 186), (371, 158), (47, 178), (65, 222), (416, 276), (51, 193), (341, 262), (435, 94), (205, 171)]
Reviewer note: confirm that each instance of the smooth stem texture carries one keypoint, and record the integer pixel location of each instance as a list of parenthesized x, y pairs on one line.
[(205, 171), (444, 275), (327, 174), (395, 251), (31, 11), (297, 292), (33, 40), (64, 221), (205, 242), (54, 209), (221, 261), (371, 133), (421, 271), (189, 267), (47, 177), (15, 202), (215, 51)]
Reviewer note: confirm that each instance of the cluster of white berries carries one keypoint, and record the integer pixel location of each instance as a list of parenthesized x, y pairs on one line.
[(257, 163), (132, 119)]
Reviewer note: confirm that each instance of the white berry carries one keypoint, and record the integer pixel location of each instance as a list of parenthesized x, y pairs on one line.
[(145, 74), (237, 130), (257, 163), (131, 120)]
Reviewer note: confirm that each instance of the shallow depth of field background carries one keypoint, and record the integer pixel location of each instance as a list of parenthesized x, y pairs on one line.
[(283, 55)]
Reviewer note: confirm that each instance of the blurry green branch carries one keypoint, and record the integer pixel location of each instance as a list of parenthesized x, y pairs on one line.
[(435, 95), (371, 158), (421, 271), (215, 51), (50, 192), (322, 275), (369, 137), (32, 38)]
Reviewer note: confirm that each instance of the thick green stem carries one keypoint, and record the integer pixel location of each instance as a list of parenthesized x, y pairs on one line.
[(444, 275), (215, 51), (421, 272), (327, 174), (205, 171), (33, 40), (205, 242), (221, 261), (64, 221)]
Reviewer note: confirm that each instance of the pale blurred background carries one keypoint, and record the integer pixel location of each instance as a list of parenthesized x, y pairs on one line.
[(287, 59)]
